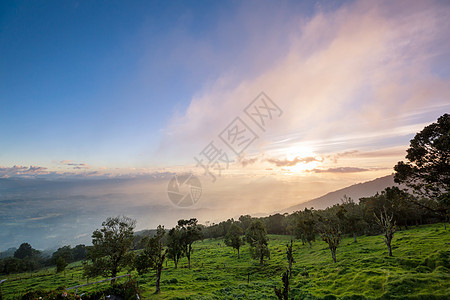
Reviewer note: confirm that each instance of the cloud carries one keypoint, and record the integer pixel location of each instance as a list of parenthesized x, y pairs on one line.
[(23, 171), (347, 77), (76, 166), (341, 170), (290, 163)]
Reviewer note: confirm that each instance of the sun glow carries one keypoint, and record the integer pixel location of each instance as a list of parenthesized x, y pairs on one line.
[(303, 158)]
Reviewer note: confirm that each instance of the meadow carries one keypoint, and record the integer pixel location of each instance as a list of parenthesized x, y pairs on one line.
[(419, 269)]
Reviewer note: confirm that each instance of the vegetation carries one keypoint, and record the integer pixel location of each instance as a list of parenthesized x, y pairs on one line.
[(110, 250), (256, 237), (419, 270), (153, 256), (234, 237), (427, 171)]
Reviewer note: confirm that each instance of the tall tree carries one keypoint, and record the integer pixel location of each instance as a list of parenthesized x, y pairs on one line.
[(283, 294), (290, 257), (305, 229), (350, 216), (174, 245), (61, 264), (330, 234), (153, 256), (111, 245), (65, 252), (387, 224), (26, 251), (256, 237), (427, 170), (234, 237), (190, 232)]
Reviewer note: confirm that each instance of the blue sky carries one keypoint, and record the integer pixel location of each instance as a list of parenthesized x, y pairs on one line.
[(99, 80), (146, 84)]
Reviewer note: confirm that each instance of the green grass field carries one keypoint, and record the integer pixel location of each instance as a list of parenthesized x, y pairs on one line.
[(419, 270)]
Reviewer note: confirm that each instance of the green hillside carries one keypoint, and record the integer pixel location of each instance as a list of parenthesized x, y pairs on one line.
[(419, 269)]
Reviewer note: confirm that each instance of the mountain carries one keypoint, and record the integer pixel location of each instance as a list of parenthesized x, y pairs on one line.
[(355, 192)]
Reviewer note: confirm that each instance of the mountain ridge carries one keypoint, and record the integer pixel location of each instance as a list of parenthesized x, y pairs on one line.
[(355, 191)]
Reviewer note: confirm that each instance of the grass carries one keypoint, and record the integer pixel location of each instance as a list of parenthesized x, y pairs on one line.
[(419, 269)]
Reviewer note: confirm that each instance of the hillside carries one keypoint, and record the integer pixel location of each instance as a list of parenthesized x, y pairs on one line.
[(355, 192), (418, 270)]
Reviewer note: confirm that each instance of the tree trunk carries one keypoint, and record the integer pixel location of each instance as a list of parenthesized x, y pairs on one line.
[(158, 278), (354, 237), (238, 253), (290, 268), (389, 248), (261, 260), (333, 254), (310, 244), (176, 263), (189, 261)]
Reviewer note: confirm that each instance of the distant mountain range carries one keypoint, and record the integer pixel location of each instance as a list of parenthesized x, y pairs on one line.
[(355, 192)]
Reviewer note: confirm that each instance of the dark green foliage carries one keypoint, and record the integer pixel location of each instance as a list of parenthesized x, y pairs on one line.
[(290, 257), (283, 294), (61, 264), (305, 227), (26, 251), (256, 237), (111, 248), (153, 256), (64, 252), (330, 234), (79, 252), (190, 232), (427, 170), (234, 237), (174, 245)]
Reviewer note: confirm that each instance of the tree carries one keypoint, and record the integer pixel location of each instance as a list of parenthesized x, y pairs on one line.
[(330, 234), (350, 216), (79, 252), (234, 237), (153, 256), (306, 227), (256, 237), (64, 252), (245, 220), (190, 232), (427, 171), (26, 251), (387, 224), (174, 246), (283, 294), (109, 252), (290, 257), (61, 264)]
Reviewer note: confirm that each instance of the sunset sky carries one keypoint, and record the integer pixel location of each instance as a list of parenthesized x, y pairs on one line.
[(103, 89)]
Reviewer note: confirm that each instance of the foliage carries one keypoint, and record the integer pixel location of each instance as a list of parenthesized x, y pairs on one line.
[(61, 264), (387, 224), (190, 232), (234, 237), (283, 294), (111, 245), (419, 270), (427, 170), (330, 234), (26, 251), (153, 256), (174, 246), (256, 237), (290, 257)]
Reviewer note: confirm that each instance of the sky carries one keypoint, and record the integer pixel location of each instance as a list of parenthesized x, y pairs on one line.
[(105, 89)]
